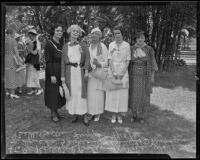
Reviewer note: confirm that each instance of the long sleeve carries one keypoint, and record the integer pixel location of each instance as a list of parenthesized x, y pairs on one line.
[(153, 60), (48, 52), (87, 57), (63, 69)]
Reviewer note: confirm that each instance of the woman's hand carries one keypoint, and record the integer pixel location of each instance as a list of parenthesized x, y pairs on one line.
[(95, 62), (86, 75), (152, 77), (53, 79)]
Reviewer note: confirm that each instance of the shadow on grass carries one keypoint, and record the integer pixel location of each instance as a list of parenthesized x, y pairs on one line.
[(183, 76)]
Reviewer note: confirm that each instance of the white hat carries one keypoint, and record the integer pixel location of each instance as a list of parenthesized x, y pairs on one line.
[(18, 35), (97, 30), (33, 31)]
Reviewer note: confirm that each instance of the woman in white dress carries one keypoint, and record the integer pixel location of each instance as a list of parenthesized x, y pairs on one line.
[(33, 65), (119, 57), (98, 61), (74, 72)]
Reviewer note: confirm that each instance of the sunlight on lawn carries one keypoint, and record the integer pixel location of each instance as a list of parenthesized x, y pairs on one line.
[(179, 100)]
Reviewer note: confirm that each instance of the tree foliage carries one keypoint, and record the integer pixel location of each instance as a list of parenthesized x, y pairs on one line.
[(163, 23)]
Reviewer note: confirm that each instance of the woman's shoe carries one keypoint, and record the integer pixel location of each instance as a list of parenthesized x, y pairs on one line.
[(58, 115), (85, 121), (97, 117), (14, 96), (113, 120), (54, 117), (75, 118), (133, 119), (20, 91), (119, 118), (40, 91), (31, 92)]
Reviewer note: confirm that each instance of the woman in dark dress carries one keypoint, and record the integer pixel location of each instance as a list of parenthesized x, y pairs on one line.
[(141, 71), (53, 54)]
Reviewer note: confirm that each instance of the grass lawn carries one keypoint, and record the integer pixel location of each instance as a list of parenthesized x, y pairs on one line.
[(170, 127)]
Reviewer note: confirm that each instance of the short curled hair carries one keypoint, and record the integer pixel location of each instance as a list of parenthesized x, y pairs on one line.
[(52, 30), (75, 26), (119, 28)]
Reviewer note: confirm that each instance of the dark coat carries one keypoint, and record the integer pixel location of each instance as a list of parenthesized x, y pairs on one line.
[(53, 68)]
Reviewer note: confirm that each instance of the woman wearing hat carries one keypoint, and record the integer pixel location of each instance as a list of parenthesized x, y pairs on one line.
[(119, 57), (53, 53), (12, 62), (141, 70), (75, 65), (33, 65), (99, 61)]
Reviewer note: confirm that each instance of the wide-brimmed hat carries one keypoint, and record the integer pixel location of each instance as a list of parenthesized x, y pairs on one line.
[(18, 35), (33, 31), (139, 33)]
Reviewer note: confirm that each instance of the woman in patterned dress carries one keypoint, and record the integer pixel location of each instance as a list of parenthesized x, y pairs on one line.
[(53, 54), (119, 57), (99, 61), (75, 65), (141, 71)]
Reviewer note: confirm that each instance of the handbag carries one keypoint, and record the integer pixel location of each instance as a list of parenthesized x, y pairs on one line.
[(64, 91), (99, 74), (111, 84)]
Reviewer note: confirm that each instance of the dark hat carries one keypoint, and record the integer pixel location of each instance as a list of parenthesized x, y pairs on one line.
[(139, 33)]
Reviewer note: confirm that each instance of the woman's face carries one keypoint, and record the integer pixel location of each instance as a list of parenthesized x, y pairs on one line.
[(58, 32), (31, 36), (95, 37), (74, 33), (141, 39), (118, 35)]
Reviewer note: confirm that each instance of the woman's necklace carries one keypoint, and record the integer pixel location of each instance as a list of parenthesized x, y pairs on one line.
[(56, 40)]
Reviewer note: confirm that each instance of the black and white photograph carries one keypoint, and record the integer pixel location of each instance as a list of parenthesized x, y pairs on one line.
[(92, 78)]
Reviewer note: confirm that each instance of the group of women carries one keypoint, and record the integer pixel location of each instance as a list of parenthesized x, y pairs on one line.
[(21, 64), (76, 65)]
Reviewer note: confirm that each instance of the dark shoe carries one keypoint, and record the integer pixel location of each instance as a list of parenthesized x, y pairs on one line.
[(75, 118), (85, 121), (133, 119), (90, 118), (58, 115)]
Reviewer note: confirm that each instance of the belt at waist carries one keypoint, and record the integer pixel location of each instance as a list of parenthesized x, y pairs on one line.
[(73, 64)]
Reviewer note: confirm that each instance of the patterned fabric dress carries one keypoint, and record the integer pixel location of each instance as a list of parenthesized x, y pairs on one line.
[(139, 98), (140, 72)]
